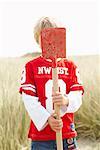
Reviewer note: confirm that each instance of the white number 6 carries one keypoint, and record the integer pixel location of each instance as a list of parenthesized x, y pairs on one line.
[(23, 77)]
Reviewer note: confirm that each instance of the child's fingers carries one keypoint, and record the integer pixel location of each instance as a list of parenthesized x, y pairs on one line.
[(57, 96), (57, 122), (57, 100), (57, 129), (55, 93), (54, 115)]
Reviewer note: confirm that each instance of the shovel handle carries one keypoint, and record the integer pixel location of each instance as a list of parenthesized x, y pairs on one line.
[(57, 108)]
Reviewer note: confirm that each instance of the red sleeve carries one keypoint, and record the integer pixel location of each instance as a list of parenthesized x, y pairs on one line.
[(76, 83), (27, 81)]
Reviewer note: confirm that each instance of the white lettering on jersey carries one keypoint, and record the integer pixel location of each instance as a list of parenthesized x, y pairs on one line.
[(40, 70), (44, 70), (47, 70), (62, 70)]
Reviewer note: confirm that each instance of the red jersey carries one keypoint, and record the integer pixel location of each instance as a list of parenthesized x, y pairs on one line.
[(37, 81)]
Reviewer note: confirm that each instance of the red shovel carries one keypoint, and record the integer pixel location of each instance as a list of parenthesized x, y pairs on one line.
[(53, 43)]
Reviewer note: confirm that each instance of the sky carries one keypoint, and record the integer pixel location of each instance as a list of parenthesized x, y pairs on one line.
[(18, 18)]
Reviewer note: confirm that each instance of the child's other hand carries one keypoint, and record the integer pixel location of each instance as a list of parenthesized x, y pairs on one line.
[(60, 99), (55, 124)]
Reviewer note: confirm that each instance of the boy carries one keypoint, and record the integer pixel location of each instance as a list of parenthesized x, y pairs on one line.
[(36, 90)]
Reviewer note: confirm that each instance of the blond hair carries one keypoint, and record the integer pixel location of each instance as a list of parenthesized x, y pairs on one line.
[(42, 23)]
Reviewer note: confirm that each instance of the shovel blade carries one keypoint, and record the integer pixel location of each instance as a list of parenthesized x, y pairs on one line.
[(53, 43)]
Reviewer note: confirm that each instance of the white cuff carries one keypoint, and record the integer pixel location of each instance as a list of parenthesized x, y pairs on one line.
[(38, 114)]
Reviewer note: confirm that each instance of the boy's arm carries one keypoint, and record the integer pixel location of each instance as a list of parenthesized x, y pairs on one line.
[(38, 114), (75, 101), (76, 90), (36, 111)]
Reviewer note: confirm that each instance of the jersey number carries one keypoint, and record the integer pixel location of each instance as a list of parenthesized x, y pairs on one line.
[(23, 76), (48, 93)]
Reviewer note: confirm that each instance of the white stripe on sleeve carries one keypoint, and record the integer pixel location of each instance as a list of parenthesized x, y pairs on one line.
[(28, 85), (75, 85), (29, 88), (38, 114)]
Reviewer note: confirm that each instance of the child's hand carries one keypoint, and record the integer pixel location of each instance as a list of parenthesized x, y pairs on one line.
[(55, 124), (60, 99)]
